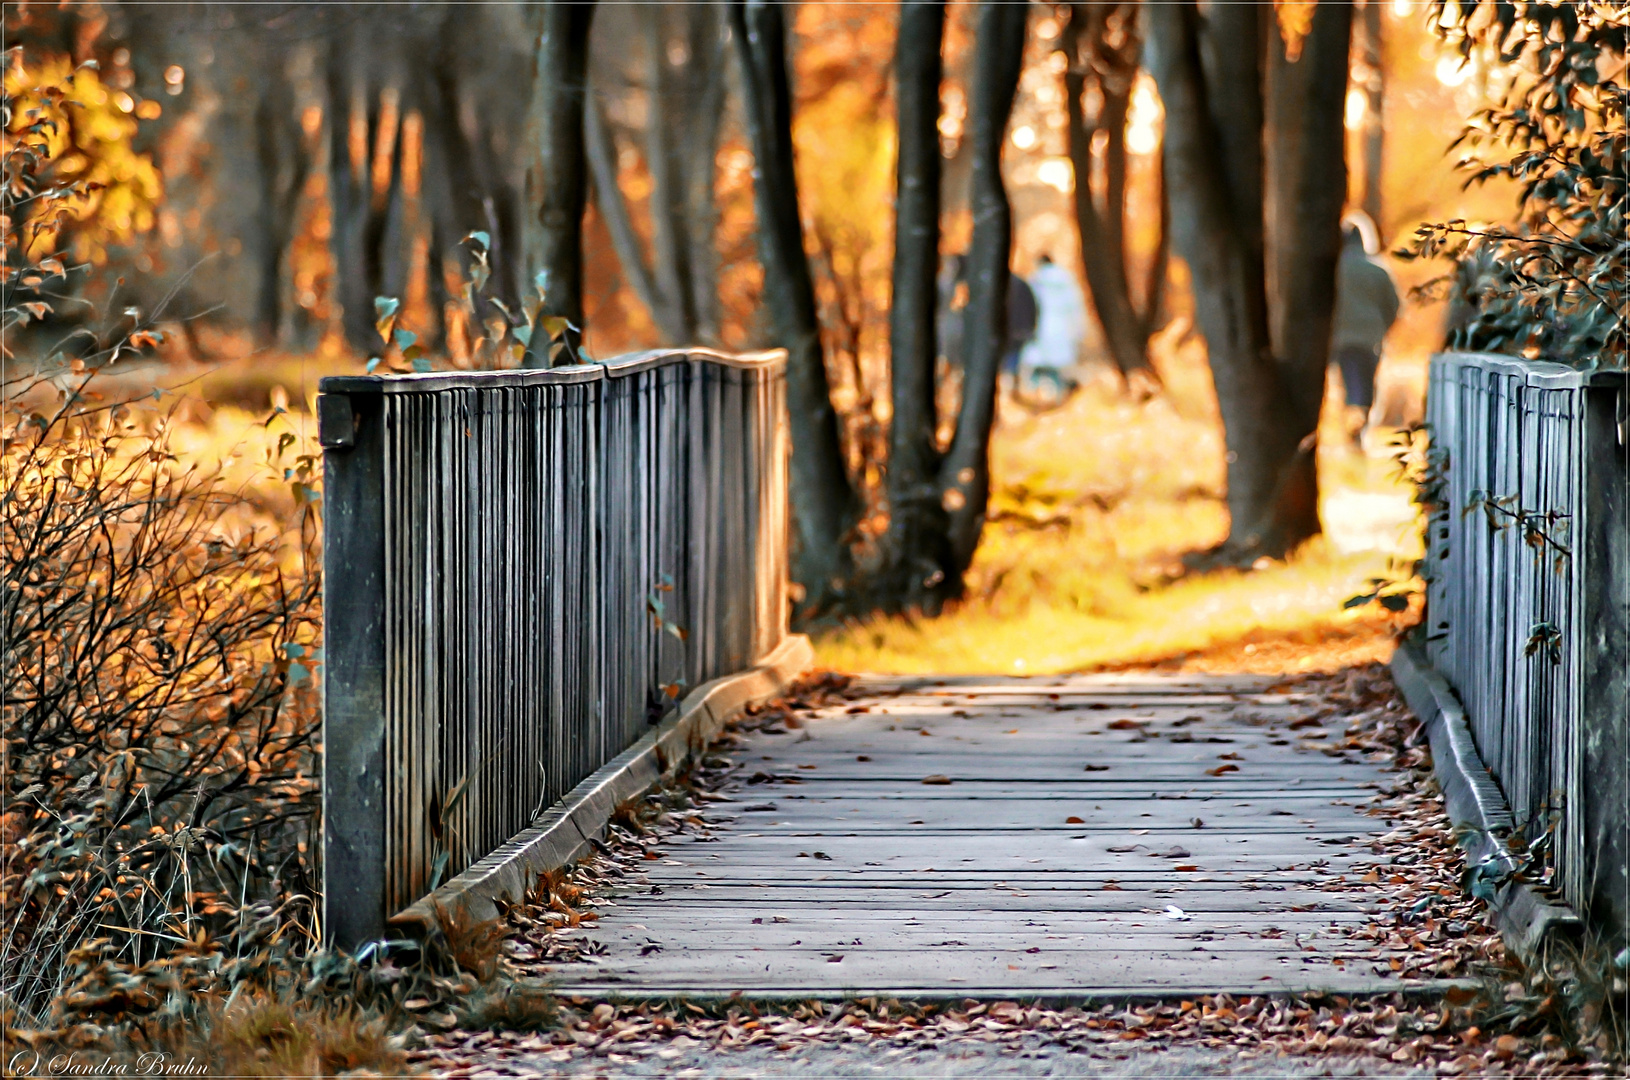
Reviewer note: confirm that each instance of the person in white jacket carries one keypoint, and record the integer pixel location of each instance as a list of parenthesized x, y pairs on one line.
[(1061, 324)]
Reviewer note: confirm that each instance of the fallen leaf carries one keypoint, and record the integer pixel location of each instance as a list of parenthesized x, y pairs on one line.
[(1096, 768), (835, 958), (1073, 820), (1220, 769), (1176, 913), (1230, 756), (1122, 849), (937, 778), (1124, 724), (863, 757), (1185, 867)]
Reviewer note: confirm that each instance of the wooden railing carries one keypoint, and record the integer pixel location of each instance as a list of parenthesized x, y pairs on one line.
[(1528, 593), (523, 571)]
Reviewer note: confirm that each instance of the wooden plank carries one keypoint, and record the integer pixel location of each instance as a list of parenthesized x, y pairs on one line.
[(990, 863)]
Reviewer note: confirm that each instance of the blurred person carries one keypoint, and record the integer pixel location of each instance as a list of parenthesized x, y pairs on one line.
[(1366, 307), (1061, 326), (1021, 323)]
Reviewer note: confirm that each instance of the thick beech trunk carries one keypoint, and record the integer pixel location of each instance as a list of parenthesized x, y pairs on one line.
[(1268, 368), (823, 504), (1213, 175), (917, 523), (964, 477), (557, 174), (1306, 188)]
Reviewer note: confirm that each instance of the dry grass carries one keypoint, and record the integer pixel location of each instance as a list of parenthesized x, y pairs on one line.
[(1080, 566), (248, 1035)]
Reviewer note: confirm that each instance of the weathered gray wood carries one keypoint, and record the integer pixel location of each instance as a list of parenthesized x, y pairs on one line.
[(494, 544), (1528, 600), (353, 669), (1604, 674), (941, 889)]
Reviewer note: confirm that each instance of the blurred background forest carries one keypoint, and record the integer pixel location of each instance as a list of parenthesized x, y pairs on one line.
[(268, 170), (278, 166), (272, 169)]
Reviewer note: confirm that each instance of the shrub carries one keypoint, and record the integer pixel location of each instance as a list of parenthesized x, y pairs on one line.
[(157, 633), (1556, 284)]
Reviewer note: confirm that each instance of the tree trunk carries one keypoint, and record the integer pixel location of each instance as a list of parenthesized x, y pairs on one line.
[(917, 522), (679, 69), (1102, 232), (964, 477), (601, 147), (704, 117), (1306, 188), (1211, 75), (1375, 96), (823, 504), (664, 156), (556, 177), (1219, 234)]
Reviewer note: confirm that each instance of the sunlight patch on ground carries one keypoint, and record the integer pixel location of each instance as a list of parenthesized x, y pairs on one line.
[(1080, 566)]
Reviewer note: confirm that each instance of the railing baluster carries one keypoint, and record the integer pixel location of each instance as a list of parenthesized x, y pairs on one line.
[(1529, 621), (492, 539)]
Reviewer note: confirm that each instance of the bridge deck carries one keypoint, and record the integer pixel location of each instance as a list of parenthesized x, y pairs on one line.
[(1098, 835)]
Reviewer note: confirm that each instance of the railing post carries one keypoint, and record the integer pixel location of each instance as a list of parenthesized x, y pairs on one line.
[(1604, 549), (351, 429)]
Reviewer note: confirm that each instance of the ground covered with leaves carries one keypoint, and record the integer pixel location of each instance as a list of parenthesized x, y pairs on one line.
[(1495, 1021)]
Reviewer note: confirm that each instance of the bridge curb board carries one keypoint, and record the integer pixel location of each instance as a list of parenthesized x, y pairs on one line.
[(1526, 919), (566, 830)]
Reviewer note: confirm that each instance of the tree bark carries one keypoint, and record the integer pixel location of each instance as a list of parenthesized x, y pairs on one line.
[(823, 503), (1306, 189), (557, 177), (601, 146), (664, 156), (917, 522), (1235, 212), (964, 477), (705, 104), (678, 68), (1218, 232)]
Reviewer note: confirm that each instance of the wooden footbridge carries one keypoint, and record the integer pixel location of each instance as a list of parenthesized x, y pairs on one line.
[(546, 589)]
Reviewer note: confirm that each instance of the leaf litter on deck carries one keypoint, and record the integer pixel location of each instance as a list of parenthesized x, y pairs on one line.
[(1425, 926)]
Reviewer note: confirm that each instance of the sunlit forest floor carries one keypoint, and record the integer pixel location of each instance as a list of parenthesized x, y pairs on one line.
[(1080, 566)]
